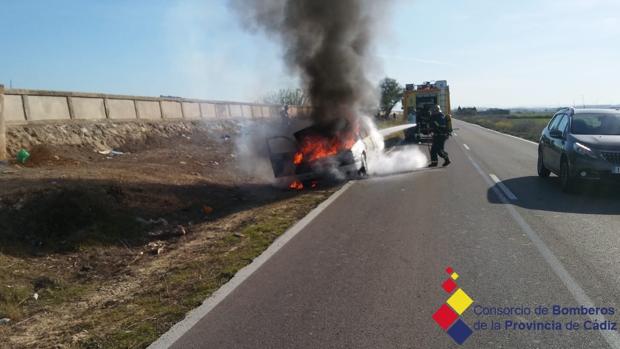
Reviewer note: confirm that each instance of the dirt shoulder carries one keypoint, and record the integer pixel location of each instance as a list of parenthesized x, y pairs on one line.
[(109, 251)]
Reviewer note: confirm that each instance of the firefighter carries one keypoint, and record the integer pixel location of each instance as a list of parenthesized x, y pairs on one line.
[(440, 126)]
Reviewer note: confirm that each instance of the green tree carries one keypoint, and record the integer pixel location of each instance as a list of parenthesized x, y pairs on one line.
[(391, 94), (287, 96)]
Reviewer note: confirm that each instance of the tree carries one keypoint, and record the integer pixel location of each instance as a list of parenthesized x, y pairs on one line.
[(287, 96), (391, 94)]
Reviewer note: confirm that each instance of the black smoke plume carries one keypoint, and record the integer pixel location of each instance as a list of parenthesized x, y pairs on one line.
[(328, 42)]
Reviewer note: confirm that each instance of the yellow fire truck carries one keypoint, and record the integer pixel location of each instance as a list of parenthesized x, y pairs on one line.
[(418, 101)]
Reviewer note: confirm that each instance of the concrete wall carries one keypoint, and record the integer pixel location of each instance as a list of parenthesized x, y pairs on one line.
[(257, 111), (34, 106), (266, 112), (88, 108), (235, 110), (222, 111), (149, 110), (47, 108), (3, 142), (121, 109), (171, 110), (208, 110), (191, 111), (14, 109)]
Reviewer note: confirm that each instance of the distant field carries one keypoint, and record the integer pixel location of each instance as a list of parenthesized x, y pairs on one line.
[(394, 138), (385, 123), (524, 125)]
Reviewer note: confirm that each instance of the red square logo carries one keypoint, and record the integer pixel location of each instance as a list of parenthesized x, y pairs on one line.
[(449, 285), (444, 317)]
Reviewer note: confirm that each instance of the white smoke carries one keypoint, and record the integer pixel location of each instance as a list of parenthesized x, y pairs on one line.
[(393, 161), (251, 152), (252, 149), (404, 159), (252, 155)]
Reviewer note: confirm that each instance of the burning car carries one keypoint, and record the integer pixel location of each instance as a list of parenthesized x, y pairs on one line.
[(312, 154)]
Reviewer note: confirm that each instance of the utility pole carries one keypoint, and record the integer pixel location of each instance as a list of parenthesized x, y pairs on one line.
[(3, 155)]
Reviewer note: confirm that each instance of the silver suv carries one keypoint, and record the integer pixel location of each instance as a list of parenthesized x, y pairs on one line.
[(581, 144)]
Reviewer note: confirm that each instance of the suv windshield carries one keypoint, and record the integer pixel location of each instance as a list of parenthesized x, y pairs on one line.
[(596, 124)]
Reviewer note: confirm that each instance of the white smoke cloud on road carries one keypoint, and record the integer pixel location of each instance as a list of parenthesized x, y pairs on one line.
[(404, 159)]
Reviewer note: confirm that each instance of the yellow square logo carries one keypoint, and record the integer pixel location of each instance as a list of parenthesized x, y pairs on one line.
[(460, 301)]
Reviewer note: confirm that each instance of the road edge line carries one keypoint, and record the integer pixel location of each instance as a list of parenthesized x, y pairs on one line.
[(167, 339), (575, 289), (507, 192)]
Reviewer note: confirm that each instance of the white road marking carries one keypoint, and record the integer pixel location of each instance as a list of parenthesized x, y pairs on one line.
[(612, 337), (503, 187), (466, 146), (178, 330), (454, 134)]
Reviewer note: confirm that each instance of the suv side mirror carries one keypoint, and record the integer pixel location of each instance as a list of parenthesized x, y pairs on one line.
[(556, 134)]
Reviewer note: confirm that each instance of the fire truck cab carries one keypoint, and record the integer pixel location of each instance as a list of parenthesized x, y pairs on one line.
[(418, 101)]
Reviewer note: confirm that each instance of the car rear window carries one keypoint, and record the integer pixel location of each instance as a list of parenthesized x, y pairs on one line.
[(596, 124)]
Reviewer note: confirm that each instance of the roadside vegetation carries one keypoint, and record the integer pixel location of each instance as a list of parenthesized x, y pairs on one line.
[(526, 125), (396, 137), (391, 95), (288, 96), (141, 292), (110, 252), (385, 123)]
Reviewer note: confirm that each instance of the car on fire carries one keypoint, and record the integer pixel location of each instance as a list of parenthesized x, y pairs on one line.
[(581, 145), (312, 154)]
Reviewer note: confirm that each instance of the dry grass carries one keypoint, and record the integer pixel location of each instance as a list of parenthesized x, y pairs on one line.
[(528, 127), (147, 294)]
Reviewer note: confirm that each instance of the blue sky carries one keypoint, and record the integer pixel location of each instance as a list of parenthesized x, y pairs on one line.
[(493, 53)]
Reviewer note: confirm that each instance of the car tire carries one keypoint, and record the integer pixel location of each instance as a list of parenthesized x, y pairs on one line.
[(543, 172), (567, 182)]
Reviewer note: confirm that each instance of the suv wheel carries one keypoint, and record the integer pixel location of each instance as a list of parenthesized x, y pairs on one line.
[(543, 172), (568, 182)]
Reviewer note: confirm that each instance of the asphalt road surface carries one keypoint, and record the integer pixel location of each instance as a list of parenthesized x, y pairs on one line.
[(367, 271)]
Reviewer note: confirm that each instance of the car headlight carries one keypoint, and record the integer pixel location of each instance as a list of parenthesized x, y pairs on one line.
[(583, 150)]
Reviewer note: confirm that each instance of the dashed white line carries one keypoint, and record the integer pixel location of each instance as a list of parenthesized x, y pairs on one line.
[(503, 187), (466, 146), (578, 293)]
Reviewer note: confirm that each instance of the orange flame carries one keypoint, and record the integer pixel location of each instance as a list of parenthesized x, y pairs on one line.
[(297, 185), (314, 147)]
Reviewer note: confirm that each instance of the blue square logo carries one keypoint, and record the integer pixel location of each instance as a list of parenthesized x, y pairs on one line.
[(460, 331)]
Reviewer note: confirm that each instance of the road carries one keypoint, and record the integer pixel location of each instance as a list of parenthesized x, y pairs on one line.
[(367, 271)]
